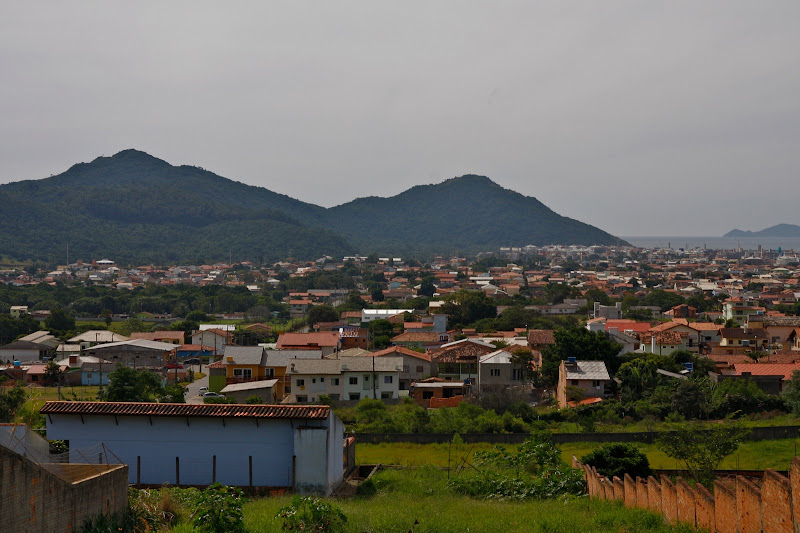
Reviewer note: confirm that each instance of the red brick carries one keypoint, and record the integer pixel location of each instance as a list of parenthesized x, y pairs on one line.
[(704, 508), (748, 505), (686, 506), (725, 514), (629, 487), (776, 503), (641, 493), (794, 480), (619, 491), (654, 495), (669, 500)]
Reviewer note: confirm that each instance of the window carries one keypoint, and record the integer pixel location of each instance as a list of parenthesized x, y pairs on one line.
[(353, 381), (419, 369), (269, 372), (516, 374), (302, 399), (405, 368), (595, 383), (575, 382), (494, 372), (313, 380), (301, 382), (322, 380), (242, 373), (335, 383), (387, 380), (386, 395), (355, 396), (427, 394)]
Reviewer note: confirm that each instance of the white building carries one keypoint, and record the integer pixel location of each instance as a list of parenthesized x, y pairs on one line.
[(297, 447), (348, 378)]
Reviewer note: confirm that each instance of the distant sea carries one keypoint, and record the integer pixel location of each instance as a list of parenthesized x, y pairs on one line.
[(717, 243)]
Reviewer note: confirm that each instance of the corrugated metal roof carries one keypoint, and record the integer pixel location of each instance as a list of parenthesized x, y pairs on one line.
[(183, 409), (594, 370)]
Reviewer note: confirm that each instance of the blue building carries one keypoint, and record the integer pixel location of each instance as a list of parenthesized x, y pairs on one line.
[(275, 446)]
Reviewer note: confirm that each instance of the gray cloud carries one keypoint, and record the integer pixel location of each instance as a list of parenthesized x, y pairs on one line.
[(648, 118)]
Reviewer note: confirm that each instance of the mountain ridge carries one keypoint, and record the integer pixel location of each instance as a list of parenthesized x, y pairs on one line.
[(135, 206), (778, 230)]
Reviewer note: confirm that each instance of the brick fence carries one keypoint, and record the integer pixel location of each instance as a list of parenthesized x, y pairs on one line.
[(737, 505)]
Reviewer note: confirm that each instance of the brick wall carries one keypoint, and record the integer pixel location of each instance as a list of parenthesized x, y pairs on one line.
[(736, 506), (42, 501)]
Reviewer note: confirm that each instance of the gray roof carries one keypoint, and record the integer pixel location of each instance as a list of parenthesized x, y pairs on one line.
[(25, 345), (313, 366), (594, 370), (286, 357), (250, 385), (98, 335), (244, 355), (349, 364), (141, 343)]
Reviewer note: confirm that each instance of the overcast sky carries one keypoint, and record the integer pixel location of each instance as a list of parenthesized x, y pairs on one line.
[(642, 118)]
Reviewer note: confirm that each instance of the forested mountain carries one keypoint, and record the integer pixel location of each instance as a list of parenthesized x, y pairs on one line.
[(137, 208), (469, 213)]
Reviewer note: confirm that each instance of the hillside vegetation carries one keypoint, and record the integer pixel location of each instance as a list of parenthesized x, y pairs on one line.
[(137, 208)]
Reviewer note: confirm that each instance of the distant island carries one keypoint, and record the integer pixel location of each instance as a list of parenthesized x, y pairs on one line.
[(781, 230)]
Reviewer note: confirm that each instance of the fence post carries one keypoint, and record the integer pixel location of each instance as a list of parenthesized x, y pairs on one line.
[(214, 470), (250, 460), (139, 471)]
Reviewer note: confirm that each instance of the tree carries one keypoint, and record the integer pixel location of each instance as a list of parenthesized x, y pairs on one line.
[(638, 377), (11, 400), (128, 385), (467, 307), (791, 392), (426, 288), (60, 321), (618, 459), (580, 343), (322, 313), (700, 451), (53, 373)]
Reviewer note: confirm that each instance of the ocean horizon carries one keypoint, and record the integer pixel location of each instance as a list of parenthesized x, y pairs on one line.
[(716, 243)]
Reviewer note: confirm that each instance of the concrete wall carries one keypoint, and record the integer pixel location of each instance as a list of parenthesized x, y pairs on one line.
[(736, 506), (40, 501)]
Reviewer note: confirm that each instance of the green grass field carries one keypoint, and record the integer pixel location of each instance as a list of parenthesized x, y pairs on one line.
[(418, 500), (757, 455), (38, 395)]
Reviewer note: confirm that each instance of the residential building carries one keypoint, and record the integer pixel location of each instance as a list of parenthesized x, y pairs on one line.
[(416, 365), (326, 341), (589, 378), (497, 370)]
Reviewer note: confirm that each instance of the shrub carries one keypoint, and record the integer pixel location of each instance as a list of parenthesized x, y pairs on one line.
[(618, 459), (311, 514), (219, 508)]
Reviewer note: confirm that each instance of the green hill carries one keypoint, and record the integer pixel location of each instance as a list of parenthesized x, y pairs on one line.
[(137, 208), (134, 207), (471, 213)]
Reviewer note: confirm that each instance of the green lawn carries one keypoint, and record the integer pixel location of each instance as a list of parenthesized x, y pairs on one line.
[(757, 455), (38, 395), (418, 500)]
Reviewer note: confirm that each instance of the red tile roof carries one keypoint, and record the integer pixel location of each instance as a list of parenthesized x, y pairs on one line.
[(308, 340), (628, 325), (400, 350), (767, 369), (184, 409)]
